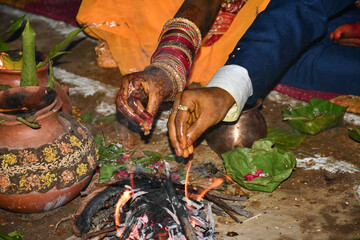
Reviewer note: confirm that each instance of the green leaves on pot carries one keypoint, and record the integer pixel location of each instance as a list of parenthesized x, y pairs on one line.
[(14, 27), (283, 138), (28, 72), (355, 134), (315, 117), (276, 164), (55, 51)]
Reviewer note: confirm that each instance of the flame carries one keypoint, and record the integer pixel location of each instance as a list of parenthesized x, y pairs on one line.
[(187, 184), (217, 182), (124, 198), (1, 63)]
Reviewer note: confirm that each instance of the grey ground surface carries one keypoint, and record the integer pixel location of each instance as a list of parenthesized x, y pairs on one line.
[(320, 200)]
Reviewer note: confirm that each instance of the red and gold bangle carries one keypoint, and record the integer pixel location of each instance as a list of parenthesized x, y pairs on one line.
[(186, 26)]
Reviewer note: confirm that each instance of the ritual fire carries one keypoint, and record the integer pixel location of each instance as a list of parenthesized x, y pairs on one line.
[(150, 207)]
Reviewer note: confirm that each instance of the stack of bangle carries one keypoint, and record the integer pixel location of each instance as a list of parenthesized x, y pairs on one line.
[(178, 42)]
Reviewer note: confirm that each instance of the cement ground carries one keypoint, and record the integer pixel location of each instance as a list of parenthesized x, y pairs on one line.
[(320, 200)]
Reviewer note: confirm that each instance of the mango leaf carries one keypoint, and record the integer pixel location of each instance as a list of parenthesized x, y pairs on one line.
[(3, 46), (51, 80), (55, 50), (277, 165), (12, 63), (354, 134), (315, 117), (29, 73), (283, 138), (4, 87), (15, 26)]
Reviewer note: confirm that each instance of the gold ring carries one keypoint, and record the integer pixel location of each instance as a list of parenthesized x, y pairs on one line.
[(183, 108)]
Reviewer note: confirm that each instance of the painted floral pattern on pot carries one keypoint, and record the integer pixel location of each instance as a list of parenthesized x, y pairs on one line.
[(59, 164)]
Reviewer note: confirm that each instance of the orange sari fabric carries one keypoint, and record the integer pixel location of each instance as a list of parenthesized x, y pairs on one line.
[(131, 30)]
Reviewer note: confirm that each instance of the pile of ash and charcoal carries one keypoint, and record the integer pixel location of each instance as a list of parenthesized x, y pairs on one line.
[(150, 207)]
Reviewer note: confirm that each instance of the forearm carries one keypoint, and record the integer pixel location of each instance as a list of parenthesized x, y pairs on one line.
[(200, 12)]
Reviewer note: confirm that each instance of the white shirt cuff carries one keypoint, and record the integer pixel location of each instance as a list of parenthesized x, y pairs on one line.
[(235, 80)]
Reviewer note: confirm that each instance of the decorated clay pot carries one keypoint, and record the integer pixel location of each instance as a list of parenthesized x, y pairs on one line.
[(13, 77), (226, 136), (44, 167)]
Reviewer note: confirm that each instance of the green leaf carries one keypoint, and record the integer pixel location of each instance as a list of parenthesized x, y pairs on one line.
[(51, 81), (4, 87), (16, 25), (29, 73), (69, 38), (30, 124), (151, 154), (87, 118), (354, 134), (3, 46), (276, 163), (169, 158), (12, 63), (315, 117), (283, 138), (1, 121), (43, 63), (11, 236), (108, 118), (106, 172)]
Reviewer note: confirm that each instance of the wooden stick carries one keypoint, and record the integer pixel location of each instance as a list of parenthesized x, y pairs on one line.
[(97, 233)]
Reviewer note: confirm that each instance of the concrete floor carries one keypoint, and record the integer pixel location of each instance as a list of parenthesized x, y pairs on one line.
[(318, 201)]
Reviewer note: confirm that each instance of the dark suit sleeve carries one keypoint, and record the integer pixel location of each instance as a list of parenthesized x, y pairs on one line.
[(278, 35)]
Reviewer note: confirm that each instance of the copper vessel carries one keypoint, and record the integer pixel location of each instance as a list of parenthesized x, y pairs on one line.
[(226, 136)]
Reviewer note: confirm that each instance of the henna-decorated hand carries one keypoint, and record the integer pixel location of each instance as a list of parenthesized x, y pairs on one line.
[(152, 84), (206, 107), (347, 34)]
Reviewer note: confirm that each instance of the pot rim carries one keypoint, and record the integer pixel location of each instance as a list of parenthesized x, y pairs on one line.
[(256, 106), (41, 113)]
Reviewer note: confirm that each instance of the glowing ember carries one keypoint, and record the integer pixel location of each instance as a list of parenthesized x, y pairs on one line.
[(124, 198)]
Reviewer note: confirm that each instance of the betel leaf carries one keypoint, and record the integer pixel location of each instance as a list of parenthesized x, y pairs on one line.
[(283, 138), (277, 165), (29, 73), (354, 134), (314, 117)]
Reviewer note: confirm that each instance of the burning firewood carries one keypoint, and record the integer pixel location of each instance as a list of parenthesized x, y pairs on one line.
[(155, 208)]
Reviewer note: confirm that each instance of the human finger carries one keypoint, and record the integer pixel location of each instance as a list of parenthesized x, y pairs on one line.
[(183, 122), (172, 129)]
